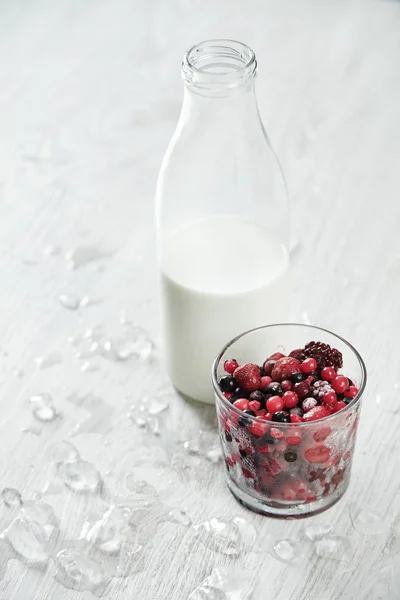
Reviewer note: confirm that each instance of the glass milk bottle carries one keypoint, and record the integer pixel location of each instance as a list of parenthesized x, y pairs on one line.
[(222, 218)]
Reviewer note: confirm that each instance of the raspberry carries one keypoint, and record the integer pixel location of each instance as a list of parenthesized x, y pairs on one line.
[(272, 467), (248, 377), (284, 368), (318, 412), (324, 355), (230, 366), (321, 434)]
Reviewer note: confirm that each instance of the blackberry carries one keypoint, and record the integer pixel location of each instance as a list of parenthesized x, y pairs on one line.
[(258, 397), (324, 355)]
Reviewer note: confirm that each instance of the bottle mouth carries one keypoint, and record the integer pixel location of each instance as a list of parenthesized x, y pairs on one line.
[(219, 64)]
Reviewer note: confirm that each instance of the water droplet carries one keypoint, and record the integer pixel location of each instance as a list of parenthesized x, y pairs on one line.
[(134, 342), (11, 497), (368, 521), (100, 417), (225, 584), (45, 362), (42, 408), (52, 251), (317, 532), (176, 515), (335, 547), (157, 405), (64, 452), (286, 551), (247, 532), (220, 536), (82, 255), (89, 367), (214, 455), (69, 301), (87, 301), (77, 572), (193, 446), (80, 476)]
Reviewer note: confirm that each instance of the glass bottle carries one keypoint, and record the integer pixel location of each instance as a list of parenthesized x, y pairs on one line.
[(221, 216)]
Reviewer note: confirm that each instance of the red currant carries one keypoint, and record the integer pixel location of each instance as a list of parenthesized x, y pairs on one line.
[(295, 419), (338, 406), (286, 385), (228, 395), (351, 392), (340, 384), (309, 365), (290, 399), (275, 404), (328, 373), (231, 365), (265, 381), (329, 398), (241, 404)]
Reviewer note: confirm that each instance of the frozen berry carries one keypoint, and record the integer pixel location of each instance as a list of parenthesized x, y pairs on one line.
[(286, 385), (276, 356), (324, 355), (290, 456), (281, 417), (351, 392), (268, 366), (275, 389), (297, 377), (318, 412), (245, 421), (317, 454), (339, 384), (228, 383), (242, 404), (254, 405), (296, 411), (290, 399), (257, 396), (248, 377), (308, 404), (276, 434), (302, 389), (293, 438), (329, 398), (297, 354), (308, 365), (328, 373), (265, 381), (238, 395), (338, 406), (258, 428), (228, 395), (295, 418), (274, 404), (231, 365), (284, 368)]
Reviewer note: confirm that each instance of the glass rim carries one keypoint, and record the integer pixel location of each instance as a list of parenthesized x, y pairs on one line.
[(302, 424)]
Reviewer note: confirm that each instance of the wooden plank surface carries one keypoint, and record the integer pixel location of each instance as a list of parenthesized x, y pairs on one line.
[(90, 93)]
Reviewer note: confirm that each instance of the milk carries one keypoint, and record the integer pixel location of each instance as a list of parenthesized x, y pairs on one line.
[(219, 277)]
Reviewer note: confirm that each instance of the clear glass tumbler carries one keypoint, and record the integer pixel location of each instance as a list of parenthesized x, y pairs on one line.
[(304, 467)]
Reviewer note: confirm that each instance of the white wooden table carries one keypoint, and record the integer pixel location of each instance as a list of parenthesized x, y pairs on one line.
[(90, 93)]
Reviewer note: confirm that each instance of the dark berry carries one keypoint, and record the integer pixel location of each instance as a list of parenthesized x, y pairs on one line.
[(302, 389), (347, 400), (228, 436), (250, 412), (258, 396), (297, 377), (281, 417), (245, 421), (324, 355), (228, 383), (298, 354), (262, 372), (231, 365), (290, 456), (350, 381), (238, 394), (242, 453), (275, 389), (314, 375), (296, 411), (268, 366)]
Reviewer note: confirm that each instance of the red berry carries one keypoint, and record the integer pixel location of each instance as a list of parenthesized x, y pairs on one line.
[(254, 405), (268, 417), (317, 454), (284, 368), (248, 377), (268, 366), (281, 446), (321, 434), (276, 356), (298, 354), (290, 399), (265, 381), (277, 434), (261, 413), (230, 366), (329, 398), (302, 389), (258, 428), (338, 406), (287, 385), (351, 392), (295, 419), (275, 404), (293, 438), (328, 373), (228, 395), (340, 384), (241, 404), (309, 365), (318, 412)]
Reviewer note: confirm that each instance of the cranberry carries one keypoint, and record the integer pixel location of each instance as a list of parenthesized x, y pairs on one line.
[(308, 404), (329, 398), (340, 384), (275, 404), (295, 418), (254, 405), (242, 404), (230, 366), (268, 366), (265, 381), (351, 392), (308, 366), (287, 385), (328, 373), (318, 412), (290, 399), (302, 389)]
